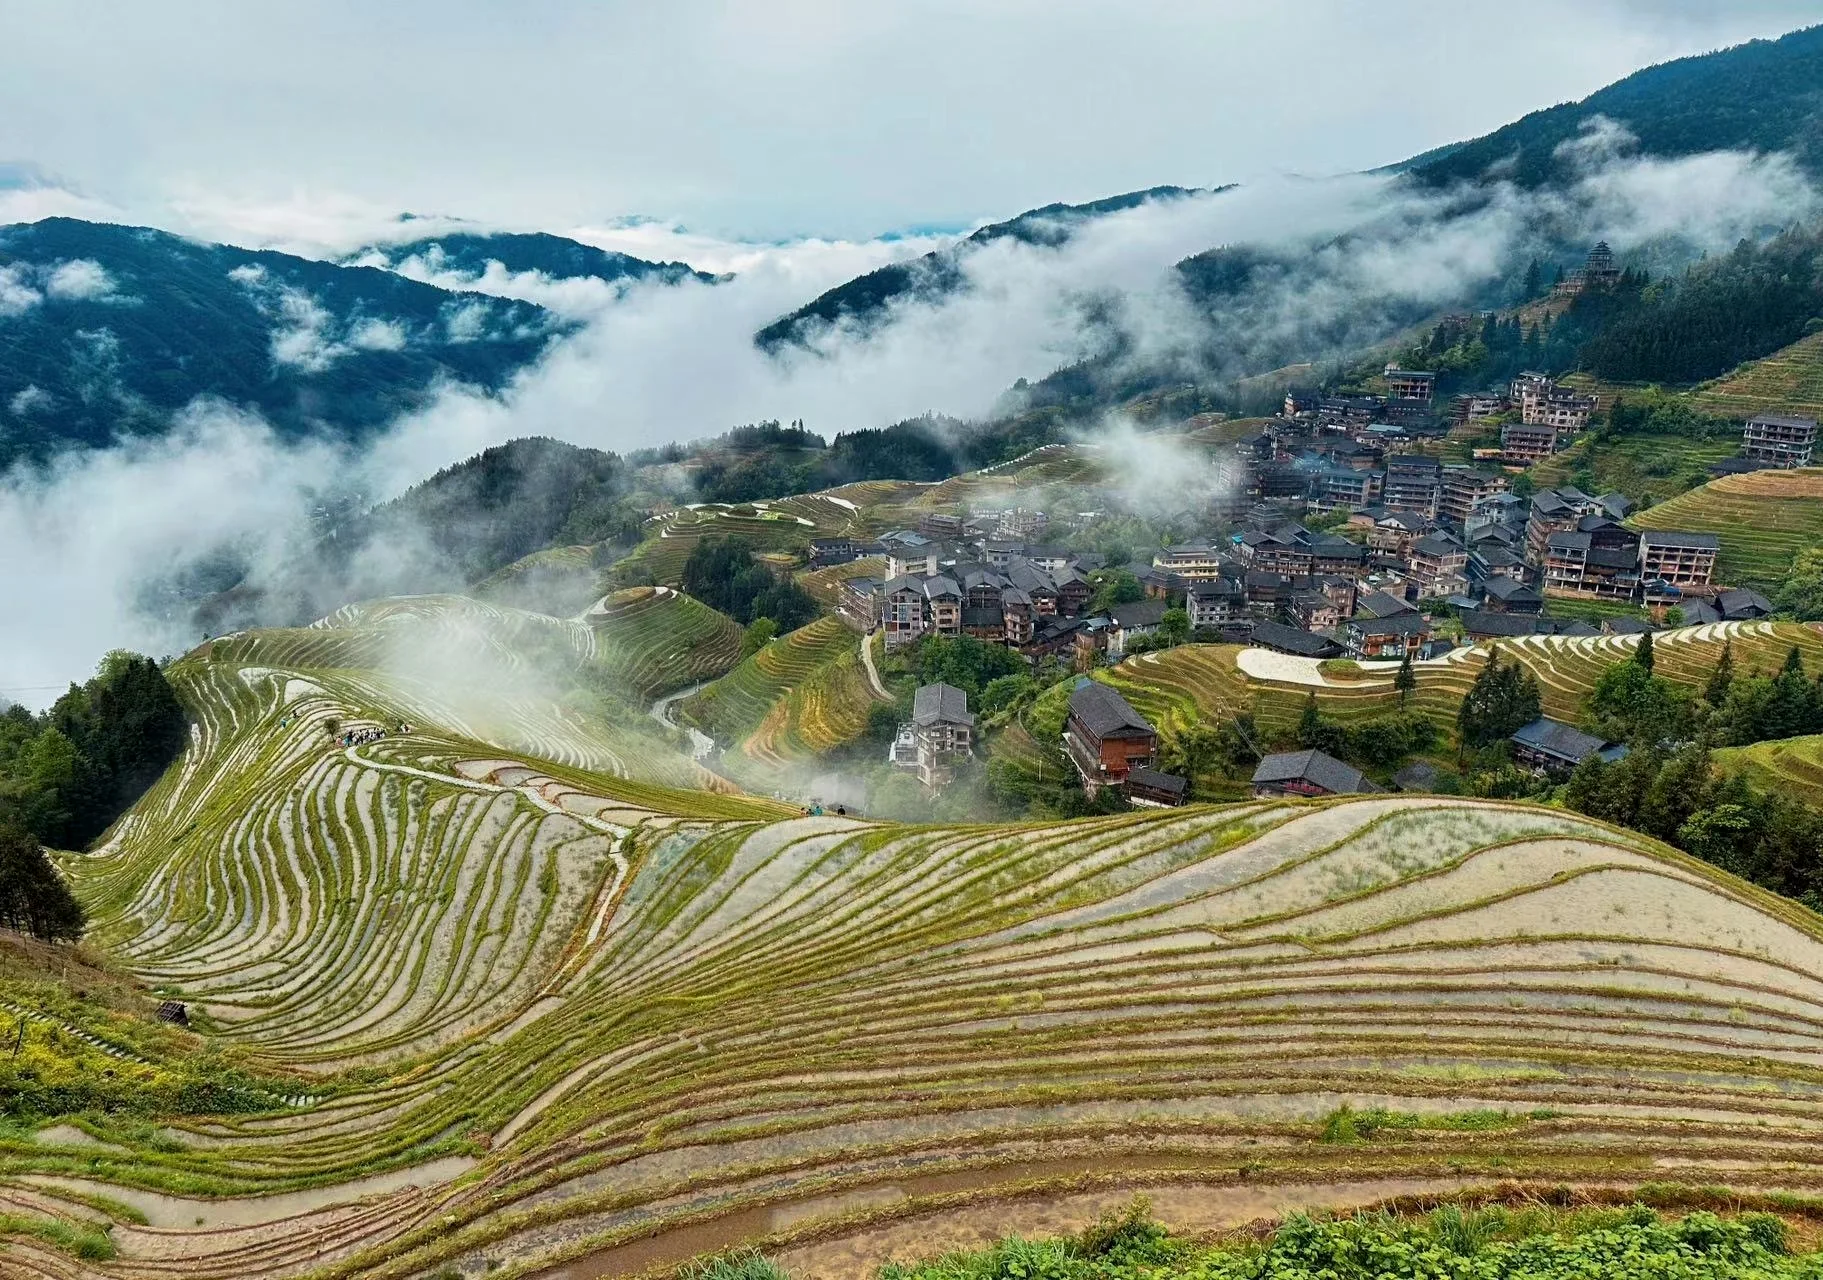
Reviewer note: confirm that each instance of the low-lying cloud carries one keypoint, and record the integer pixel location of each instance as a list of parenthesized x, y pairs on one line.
[(655, 363)]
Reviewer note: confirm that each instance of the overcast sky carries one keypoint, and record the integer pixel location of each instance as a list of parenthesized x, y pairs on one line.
[(783, 117)]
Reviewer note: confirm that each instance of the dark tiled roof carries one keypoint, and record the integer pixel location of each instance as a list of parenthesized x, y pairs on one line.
[(1783, 420), (1673, 538), (1555, 738), (1420, 775), (1481, 623), (1398, 624), (1314, 767), (1307, 644), (1153, 780), (1614, 557), (1139, 613), (1741, 603), (940, 702), (1504, 588), (1105, 713), (1436, 545), (1383, 604)]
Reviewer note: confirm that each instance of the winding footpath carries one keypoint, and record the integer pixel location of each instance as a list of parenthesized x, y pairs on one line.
[(873, 672)]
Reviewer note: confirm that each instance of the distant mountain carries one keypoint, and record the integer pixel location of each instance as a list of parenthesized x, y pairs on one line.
[(469, 253), (453, 529), (1766, 95), (862, 300), (106, 330)]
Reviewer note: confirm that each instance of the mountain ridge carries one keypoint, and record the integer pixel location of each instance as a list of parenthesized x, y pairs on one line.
[(560, 257), (110, 330)]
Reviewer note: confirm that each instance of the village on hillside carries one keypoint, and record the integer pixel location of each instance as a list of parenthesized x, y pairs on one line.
[(1332, 535)]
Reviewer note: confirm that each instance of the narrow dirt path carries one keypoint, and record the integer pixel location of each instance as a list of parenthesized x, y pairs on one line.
[(873, 674)]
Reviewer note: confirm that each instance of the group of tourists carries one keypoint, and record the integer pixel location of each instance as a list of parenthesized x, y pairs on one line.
[(359, 737)]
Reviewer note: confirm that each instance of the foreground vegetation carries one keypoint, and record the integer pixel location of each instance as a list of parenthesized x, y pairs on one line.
[(1451, 1244)]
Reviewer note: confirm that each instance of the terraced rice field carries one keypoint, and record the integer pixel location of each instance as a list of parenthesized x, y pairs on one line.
[(551, 1024), (1644, 467), (802, 695), (1763, 518), (1791, 767), (655, 639), (553, 574), (1193, 682), (1788, 381), (674, 536)]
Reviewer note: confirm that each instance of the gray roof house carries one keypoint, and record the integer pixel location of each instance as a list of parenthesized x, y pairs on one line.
[(1557, 747), (1308, 773)]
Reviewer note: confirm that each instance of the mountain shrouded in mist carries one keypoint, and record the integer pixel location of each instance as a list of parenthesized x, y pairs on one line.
[(861, 301), (1762, 97), (1766, 95), (108, 330), (470, 253)]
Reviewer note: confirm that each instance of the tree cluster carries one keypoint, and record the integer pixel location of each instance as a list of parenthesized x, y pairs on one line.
[(1723, 311), (1677, 797), (968, 664), (767, 460), (66, 775), (1631, 704), (1381, 741), (722, 573), (33, 897), (1503, 698)]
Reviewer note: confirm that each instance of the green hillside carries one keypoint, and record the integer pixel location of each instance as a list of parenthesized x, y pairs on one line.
[(153, 321), (1757, 96), (802, 695), (1209, 683), (1785, 766)]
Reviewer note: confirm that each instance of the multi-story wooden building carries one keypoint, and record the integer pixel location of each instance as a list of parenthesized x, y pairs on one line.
[(1681, 559), (1779, 440), (1522, 444), (942, 731), (1105, 738), (1410, 384)]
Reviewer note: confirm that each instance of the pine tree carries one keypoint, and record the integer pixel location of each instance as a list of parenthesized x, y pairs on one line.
[(1715, 693), (33, 897), (1407, 679), (1644, 655)]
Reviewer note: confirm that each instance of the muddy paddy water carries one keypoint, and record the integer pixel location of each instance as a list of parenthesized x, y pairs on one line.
[(856, 1253)]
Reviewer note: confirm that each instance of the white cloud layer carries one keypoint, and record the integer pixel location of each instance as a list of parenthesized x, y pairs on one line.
[(79, 280)]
